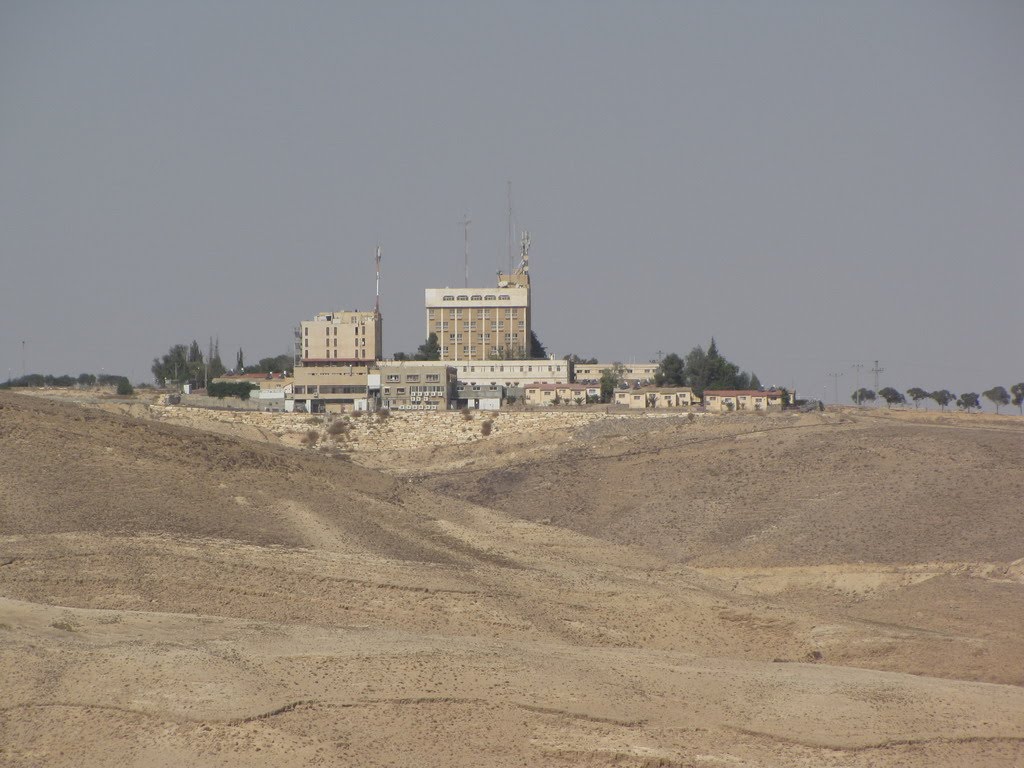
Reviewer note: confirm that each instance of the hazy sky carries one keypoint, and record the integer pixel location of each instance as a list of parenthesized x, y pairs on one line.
[(815, 184)]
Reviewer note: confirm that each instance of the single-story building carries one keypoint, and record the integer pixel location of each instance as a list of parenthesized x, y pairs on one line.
[(554, 394), (742, 399), (656, 397)]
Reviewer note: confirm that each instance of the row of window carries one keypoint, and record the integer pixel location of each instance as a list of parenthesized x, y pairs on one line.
[(477, 297), (412, 377)]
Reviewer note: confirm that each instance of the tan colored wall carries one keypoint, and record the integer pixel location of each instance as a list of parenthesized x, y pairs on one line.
[(480, 323), (341, 335)]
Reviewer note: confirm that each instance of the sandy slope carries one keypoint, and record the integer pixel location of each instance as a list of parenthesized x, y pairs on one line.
[(173, 597)]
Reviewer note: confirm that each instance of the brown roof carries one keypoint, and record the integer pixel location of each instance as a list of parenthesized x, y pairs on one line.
[(551, 387)]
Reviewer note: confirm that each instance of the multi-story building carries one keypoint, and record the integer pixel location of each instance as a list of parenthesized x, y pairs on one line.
[(331, 388), (415, 385), (512, 374), (340, 338), (656, 397), (742, 400), (483, 323)]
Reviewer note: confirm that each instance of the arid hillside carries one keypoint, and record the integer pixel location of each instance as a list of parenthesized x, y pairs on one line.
[(169, 596)]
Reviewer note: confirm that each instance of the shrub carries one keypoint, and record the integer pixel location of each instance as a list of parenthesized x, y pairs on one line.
[(311, 437), (339, 427), (467, 414), (485, 428), (222, 389), (383, 414), (124, 388), (314, 420)]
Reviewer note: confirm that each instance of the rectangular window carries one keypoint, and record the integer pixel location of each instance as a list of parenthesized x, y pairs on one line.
[(393, 377), (400, 391), (412, 377), (433, 377)]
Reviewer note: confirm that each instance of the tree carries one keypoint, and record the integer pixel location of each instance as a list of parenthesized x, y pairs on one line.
[(239, 361), (537, 350), (917, 394), (124, 387), (863, 395), (968, 400), (86, 379), (1018, 395), (429, 349), (195, 355), (891, 395), (216, 367), (709, 370), (755, 383), (999, 396), (173, 367), (671, 371), (610, 380), (574, 358), (943, 397)]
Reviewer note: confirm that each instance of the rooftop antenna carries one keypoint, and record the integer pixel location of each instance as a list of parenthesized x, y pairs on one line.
[(466, 221), (524, 265), (376, 307)]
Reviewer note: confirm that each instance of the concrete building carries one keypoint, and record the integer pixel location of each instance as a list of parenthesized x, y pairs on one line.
[(554, 394), (484, 397), (657, 397), (511, 374), (632, 373), (742, 399), (483, 323), (340, 338), (415, 386), (330, 388)]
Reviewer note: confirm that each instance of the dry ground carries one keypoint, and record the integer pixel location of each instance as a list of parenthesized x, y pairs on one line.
[(837, 590)]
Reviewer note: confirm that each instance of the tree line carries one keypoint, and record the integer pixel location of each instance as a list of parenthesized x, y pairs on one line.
[(968, 401), (699, 370), (186, 364), (121, 383)]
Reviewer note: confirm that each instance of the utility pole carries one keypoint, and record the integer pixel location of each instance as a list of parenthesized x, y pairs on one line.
[(466, 221), (376, 306), (510, 227), (835, 378), (857, 367), (876, 370), (23, 358)]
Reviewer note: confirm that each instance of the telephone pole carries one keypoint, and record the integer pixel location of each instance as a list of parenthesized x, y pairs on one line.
[(857, 367), (835, 378), (876, 370)]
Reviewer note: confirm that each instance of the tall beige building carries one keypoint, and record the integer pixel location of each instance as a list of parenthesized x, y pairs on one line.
[(340, 338), (483, 323)]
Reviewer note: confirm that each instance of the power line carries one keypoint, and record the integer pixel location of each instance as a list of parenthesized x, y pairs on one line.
[(876, 370), (835, 378), (857, 367)]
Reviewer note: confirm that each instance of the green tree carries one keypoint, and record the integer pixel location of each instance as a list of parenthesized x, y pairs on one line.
[(216, 367), (943, 397), (917, 394), (172, 368), (863, 395), (755, 383), (611, 378), (671, 371), (429, 349), (574, 358), (86, 379), (891, 396), (240, 361), (537, 350), (968, 400), (195, 355), (1018, 395), (998, 395), (125, 388)]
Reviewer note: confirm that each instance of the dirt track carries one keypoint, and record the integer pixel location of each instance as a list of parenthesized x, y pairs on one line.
[(171, 596)]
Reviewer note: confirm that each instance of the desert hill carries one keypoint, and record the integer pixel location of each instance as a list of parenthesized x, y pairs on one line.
[(170, 596)]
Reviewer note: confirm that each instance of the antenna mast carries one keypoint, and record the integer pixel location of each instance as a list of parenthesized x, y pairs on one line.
[(466, 221), (376, 306), (510, 227)]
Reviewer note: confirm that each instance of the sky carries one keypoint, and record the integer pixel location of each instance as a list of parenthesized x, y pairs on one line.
[(816, 185)]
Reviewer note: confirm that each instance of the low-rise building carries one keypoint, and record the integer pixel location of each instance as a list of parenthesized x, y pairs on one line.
[(507, 373), (412, 386), (539, 393), (742, 399), (484, 397), (632, 373), (657, 397), (333, 389)]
